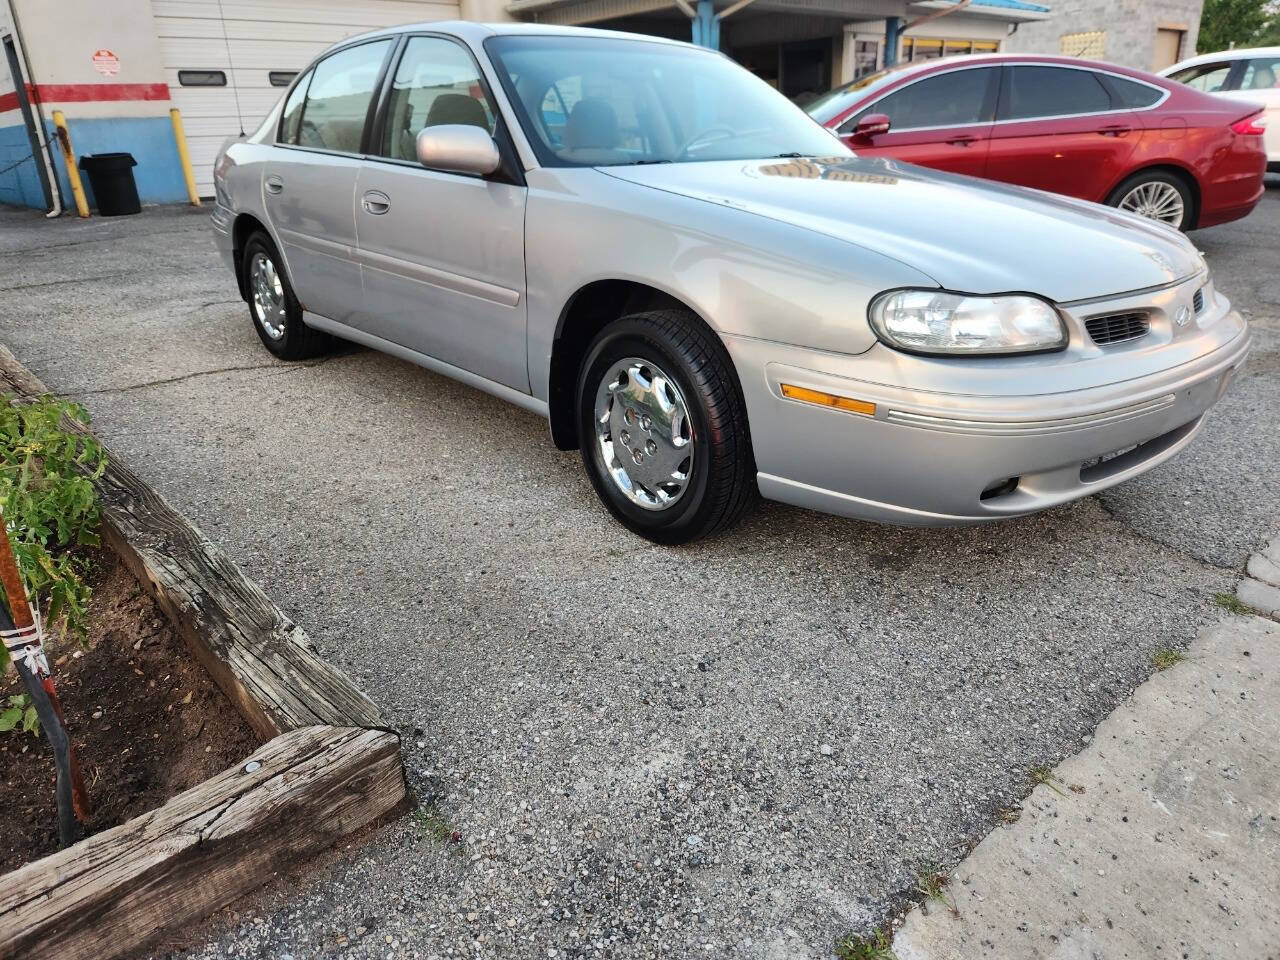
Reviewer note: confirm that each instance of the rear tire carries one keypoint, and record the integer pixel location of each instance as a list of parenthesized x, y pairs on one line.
[(663, 427), (275, 311), (1157, 195)]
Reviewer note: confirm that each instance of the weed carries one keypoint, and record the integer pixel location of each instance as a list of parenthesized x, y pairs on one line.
[(932, 883), (874, 947), (1046, 776), (1231, 603), (435, 826), (49, 504), (19, 713), (1166, 657), (1009, 816)]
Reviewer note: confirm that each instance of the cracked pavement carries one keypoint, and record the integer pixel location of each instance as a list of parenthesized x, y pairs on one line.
[(743, 748)]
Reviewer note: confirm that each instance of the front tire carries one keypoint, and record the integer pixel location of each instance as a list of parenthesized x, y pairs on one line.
[(663, 427), (1157, 195), (275, 311)]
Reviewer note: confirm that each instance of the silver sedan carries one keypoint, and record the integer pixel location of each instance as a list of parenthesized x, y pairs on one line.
[(705, 292)]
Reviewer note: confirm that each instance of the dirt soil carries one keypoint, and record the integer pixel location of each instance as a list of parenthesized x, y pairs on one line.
[(145, 719)]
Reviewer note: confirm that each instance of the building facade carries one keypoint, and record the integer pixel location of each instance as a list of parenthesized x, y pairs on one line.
[(115, 69), (1144, 34)]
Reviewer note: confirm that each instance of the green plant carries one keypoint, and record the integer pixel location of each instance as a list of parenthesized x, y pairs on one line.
[(49, 504), (1046, 776), (19, 712), (932, 883), (1166, 657), (433, 825), (1231, 603), (873, 947)]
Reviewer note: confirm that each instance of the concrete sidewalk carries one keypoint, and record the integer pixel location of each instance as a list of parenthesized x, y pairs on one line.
[(1160, 839)]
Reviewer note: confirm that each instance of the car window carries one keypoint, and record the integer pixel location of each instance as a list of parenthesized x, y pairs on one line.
[(436, 82), (950, 99), (292, 113), (599, 101), (1053, 92), (1262, 73), (1131, 93), (338, 97), (1209, 77)]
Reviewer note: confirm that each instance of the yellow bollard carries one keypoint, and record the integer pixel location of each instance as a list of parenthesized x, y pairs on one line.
[(69, 158), (180, 135)]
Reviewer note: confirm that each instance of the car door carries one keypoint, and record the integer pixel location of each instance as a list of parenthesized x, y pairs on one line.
[(443, 253), (309, 181), (1057, 128), (942, 120)]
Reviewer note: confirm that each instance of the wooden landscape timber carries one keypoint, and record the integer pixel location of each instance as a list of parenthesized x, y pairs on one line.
[(263, 661), (127, 887), (326, 771)]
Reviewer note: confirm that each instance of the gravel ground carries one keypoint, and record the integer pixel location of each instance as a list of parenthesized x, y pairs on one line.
[(743, 748)]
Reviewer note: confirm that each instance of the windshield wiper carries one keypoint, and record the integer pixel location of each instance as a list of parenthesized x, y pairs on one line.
[(789, 156), (640, 163)]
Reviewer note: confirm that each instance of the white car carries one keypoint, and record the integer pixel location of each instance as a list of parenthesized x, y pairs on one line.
[(1252, 76)]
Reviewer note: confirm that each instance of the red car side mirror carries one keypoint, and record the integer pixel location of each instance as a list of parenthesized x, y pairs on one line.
[(872, 125)]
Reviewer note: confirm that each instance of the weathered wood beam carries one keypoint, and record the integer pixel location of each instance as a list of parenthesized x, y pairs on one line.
[(127, 887), (262, 660)]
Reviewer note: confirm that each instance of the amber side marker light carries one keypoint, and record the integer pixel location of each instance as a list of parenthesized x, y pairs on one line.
[(805, 395)]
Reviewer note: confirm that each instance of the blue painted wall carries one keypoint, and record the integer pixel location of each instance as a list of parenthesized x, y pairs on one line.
[(150, 140), (21, 185)]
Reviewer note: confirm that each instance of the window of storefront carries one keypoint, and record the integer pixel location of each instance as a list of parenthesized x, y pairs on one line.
[(930, 48)]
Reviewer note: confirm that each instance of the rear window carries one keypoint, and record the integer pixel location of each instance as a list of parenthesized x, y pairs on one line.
[(1053, 92)]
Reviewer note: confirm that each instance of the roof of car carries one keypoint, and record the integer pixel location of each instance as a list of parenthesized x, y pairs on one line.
[(1247, 53), (479, 31)]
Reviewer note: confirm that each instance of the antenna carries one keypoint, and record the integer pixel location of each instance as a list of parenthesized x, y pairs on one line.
[(231, 67)]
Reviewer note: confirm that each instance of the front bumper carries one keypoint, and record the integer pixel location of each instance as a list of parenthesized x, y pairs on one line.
[(932, 456)]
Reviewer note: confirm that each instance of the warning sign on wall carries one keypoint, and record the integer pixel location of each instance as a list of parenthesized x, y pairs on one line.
[(106, 63)]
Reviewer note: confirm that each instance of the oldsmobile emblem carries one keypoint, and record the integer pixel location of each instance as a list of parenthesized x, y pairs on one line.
[(1183, 316)]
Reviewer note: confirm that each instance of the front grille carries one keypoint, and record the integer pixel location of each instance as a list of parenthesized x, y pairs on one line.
[(1117, 328), (1197, 302)]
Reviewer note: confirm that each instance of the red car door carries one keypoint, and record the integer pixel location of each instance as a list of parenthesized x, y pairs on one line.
[(1058, 129), (942, 120)]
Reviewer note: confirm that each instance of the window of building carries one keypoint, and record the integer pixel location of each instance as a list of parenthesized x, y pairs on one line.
[(436, 82), (281, 78), (930, 48), (1091, 45), (866, 58), (1053, 92), (338, 97), (202, 78)]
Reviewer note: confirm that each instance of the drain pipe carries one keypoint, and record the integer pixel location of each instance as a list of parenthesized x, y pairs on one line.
[(46, 148)]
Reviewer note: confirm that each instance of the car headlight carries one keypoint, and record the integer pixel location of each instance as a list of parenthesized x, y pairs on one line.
[(934, 321)]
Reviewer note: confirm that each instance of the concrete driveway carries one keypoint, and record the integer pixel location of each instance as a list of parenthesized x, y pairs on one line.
[(745, 748)]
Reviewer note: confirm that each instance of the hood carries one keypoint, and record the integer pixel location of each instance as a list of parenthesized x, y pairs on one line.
[(969, 235)]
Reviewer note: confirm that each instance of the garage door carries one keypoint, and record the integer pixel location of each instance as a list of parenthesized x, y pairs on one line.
[(227, 61)]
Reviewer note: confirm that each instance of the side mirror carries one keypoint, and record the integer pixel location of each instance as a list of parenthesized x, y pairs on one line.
[(458, 148), (872, 125)]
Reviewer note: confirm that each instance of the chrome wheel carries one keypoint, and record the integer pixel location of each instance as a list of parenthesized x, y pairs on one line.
[(1156, 200), (268, 295), (643, 434)]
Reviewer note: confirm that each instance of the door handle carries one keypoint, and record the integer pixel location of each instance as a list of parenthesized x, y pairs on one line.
[(1118, 130), (961, 141), (274, 184), (376, 202)]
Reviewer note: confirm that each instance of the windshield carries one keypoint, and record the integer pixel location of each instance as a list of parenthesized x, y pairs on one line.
[(840, 99), (588, 101)]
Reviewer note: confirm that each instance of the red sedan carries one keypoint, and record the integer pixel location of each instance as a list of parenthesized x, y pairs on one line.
[(1090, 130)]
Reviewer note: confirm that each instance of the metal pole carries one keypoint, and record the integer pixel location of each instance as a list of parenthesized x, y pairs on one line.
[(184, 157), (69, 158), (892, 33)]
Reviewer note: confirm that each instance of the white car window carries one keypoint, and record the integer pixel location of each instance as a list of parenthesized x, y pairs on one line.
[(1209, 77), (1262, 73), (436, 82)]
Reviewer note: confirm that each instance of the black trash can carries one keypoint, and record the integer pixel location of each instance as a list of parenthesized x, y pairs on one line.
[(111, 176)]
